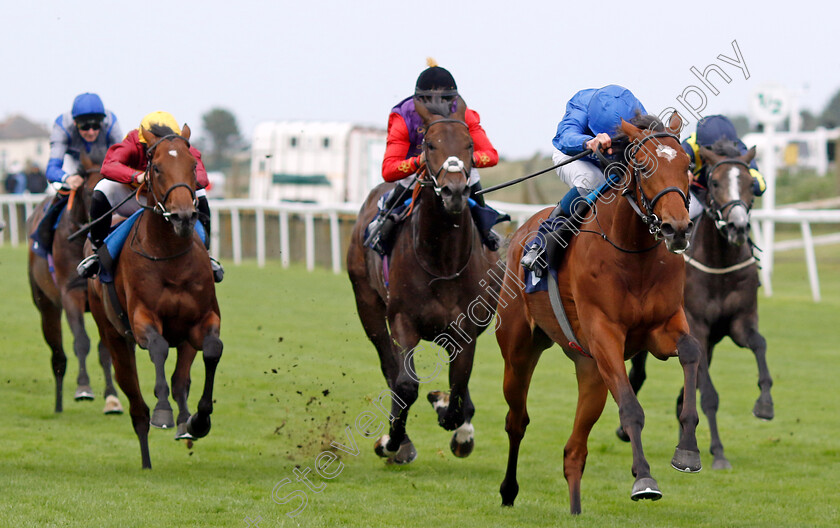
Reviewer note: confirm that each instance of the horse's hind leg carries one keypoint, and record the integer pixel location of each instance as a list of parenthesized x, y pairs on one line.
[(521, 355), (372, 313), (637, 376), (709, 403), (112, 401), (181, 388), (592, 395), (198, 425), (73, 301), (51, 328)]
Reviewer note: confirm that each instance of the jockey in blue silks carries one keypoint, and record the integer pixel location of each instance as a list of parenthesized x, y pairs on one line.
[(592, 115)]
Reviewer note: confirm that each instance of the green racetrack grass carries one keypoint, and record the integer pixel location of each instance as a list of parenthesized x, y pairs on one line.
[(297, 369)]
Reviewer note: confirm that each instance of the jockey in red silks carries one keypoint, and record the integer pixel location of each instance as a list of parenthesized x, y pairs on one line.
[(124, 170), (404, 155)]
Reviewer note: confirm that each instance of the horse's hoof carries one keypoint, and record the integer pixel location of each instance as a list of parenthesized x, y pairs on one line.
[(197, 427), (380, 447), (112, 405), (463, 441), (83, 393), (182, 433), (162, 419), (405, 454), (763, 411), (721, 463), (645, 488), (687, 461), (438, 399), (624, 437)]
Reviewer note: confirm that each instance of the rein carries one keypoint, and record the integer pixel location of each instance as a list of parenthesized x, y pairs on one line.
[(143, 254)]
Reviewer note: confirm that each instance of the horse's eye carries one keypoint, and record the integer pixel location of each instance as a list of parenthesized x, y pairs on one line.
[(714, 184), (432, 146)]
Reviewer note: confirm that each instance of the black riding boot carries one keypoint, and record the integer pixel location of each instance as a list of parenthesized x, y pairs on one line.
[(99, 208), (382, 228), (535, 250), (204, 217), (489, 237)]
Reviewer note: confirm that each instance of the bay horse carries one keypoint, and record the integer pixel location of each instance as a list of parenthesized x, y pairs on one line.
[(164, 294), (61, 289), (434, 290), (621, 289), (721, 293)]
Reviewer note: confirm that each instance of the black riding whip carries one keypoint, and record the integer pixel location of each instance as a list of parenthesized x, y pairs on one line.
[(522, 179)]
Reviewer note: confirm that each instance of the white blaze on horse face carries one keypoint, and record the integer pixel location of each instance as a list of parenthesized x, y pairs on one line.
[(173, 153), (667, 152), (734, 187)]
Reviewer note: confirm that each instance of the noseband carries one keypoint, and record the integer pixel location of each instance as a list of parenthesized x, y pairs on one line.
[(159, 207), (451, 164), (649, 218), (720, 213)]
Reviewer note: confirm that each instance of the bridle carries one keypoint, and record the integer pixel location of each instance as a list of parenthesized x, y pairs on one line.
[(451, 164), (720, 213), (649, 218), (159, 207)]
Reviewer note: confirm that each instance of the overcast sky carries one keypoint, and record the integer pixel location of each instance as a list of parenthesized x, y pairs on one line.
[(516, 62)]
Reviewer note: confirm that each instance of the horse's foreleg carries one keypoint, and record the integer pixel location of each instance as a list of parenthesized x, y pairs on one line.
[(397, 446), (607, 347), (687, 455), (637, 376), (745, 334), (73, 302), (181, 387), (149, 338), (709, 399), (112, 401), (198, 425), (592, 396)]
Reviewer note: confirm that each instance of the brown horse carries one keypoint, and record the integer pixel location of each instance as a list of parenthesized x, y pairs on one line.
[(436, 290), (63, 289), (164, 282), (721, 293), (622, 291)]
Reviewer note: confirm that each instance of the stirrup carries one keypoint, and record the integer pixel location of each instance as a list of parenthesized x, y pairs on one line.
[(218, 270), (88, 267), (530, 259), (492, 240)]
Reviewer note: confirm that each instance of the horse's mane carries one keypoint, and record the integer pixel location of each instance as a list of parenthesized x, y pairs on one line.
[(161, 131), (726, 147), (620, 142)]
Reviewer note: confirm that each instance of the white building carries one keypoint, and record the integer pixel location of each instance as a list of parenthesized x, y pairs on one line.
[(23, 141), (322, 162)]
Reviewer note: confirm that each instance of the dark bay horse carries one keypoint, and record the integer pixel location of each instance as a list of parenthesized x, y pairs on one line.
[(437, 289), (721, 293), (622, 291), (63, 290), (164, 284)]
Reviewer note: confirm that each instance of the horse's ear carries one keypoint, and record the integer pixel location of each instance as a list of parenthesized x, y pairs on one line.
[(185, 131), (422, 111), (148, 136), (675, 124), (461, 109), (749, 156), (708, 156), (633, 132)]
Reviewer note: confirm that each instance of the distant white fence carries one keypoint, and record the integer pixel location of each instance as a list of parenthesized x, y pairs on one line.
[(233, 211)]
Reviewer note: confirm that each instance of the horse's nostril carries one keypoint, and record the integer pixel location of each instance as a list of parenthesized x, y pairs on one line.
[(446, 191), (667, 230)]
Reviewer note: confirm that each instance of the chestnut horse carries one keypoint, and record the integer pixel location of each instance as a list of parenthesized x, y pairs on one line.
[(721, 293), (622, 291), (435, 289), (63, 289), (164, 283)]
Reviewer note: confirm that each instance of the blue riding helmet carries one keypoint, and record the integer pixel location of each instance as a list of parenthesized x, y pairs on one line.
[(608, 106), (87, 104), (715, 127)]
